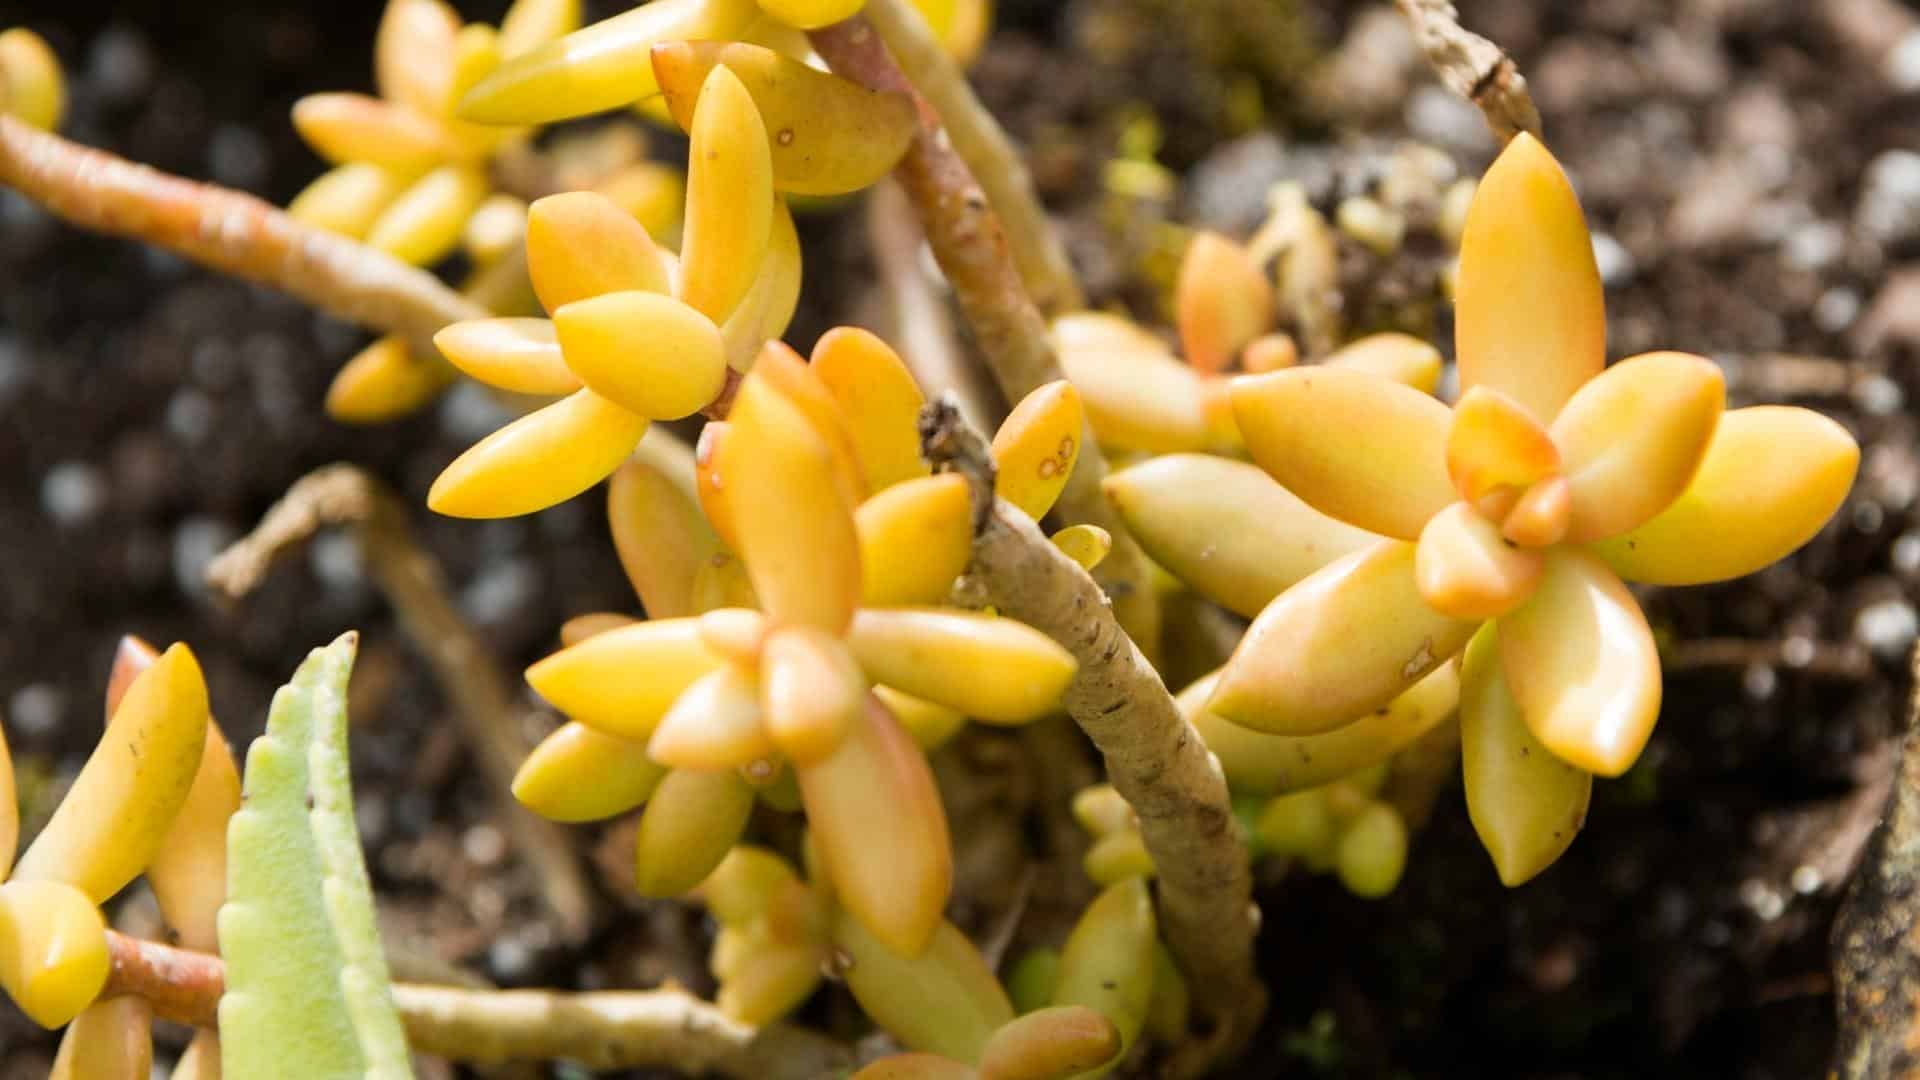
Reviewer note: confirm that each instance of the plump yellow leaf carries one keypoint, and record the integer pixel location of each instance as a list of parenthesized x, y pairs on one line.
[(943, 1000), (939, 655), (648, 353), (1772, 477), (1050, 1044), (1467, 570), (1102, 811), (1037, 446), (413, 54), (543, 458), (1371, 853), (496, 229), (1494, 444), (745, 885), (581, 627), (782, 368), (1355, 446), (764, 313), (579, 774), (476, 54), (1269, 352), (1225, 529), (812, 14), (109, 1040), (1299, 826), (348, 199), (1259, 763), (385, 381), (876, 818), (915, 539), (189, 872), (1401, 357), (930, 725), (1582, 665), (9, 810), (1222, 301), (53, 949), (1541, 516), (830, 135), (1526, 803), (879, 399), (660, 536), (517, 355), (623, 681), (1137, 396), (811, 690), (424, 224), (1345, 641), (201, 1059), (1116, 857), (1632, 439), (355, 127), (691, 821), (961, 25), (772, 982), (715, 725), (32, 86), (729, 197), (1087, 545), (1107, 962), (580, 244), (121, 806), (738, 634), (794, 524), (598, 67), (1528, 313), (708, 452)]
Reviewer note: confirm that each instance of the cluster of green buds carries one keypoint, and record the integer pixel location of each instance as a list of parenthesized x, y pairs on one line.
[(1341, 827), (153, 799), (32, 86), (1508, 521)]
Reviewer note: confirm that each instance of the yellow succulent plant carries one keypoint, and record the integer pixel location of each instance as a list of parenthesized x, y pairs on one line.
[(408, 174), (32, 86), (635, 335), (848, 642), (1513, 520)]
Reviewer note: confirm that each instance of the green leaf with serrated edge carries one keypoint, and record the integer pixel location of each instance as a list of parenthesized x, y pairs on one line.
[(306, 979)]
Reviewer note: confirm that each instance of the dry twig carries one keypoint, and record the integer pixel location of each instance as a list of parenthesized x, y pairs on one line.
[(971, 246), (232, 232), (1153, 756), (411, 581), (1473, 67), (980, 141), (618, 1029)]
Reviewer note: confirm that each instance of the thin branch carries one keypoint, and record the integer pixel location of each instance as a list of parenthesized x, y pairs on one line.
[(1845, 661), (411, 580), (619, 1029), (980, 141), (232, 232), (1473, 67), (1154, 757), (1876, 958), (922, 325), (971, 247)]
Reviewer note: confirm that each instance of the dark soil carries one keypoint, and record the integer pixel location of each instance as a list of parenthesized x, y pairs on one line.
[(1742, 158)]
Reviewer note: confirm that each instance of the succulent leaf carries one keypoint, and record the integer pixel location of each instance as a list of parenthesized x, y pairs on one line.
[(941, 1000), (53, 949), (915, 539), (581, 244), (1633, 438), (691, 821), (660, 536), (729, 197), (1037, 446), (939, 655), (623, 681), (879, 399), (521, 356), (578, 774), (1222, 301), (647, 353)]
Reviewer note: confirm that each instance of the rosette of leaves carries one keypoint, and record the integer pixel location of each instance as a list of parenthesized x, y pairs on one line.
[(788, 668), (1512, 519)]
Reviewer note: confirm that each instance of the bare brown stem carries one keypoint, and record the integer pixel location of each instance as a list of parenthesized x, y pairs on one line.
[(981, 142), (971, 246), (618, 1029), (412, 583), (1153, 756), (1876, 956), (232, 232), (1473, 67)]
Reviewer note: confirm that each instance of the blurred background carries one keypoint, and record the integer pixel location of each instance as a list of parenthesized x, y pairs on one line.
[(1751, 170)]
